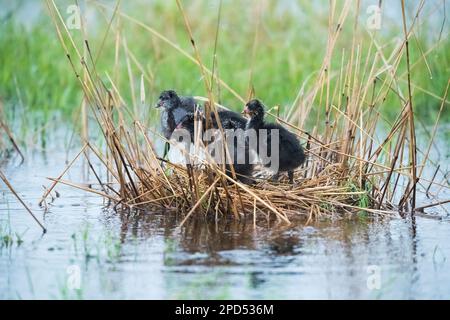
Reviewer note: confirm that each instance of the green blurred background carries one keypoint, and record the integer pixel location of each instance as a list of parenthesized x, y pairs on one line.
[(290, 37)]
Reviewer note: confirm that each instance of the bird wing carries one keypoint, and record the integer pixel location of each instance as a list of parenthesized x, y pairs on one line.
[(179, 114), (189, 104)]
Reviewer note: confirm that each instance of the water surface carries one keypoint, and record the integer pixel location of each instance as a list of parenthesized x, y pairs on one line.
[(121, 256)]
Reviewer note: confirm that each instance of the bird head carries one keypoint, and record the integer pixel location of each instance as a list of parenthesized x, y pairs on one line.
[(253, 108), (168, 99)]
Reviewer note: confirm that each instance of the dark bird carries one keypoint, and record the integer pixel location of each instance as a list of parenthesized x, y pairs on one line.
[(228, 119), (174, 109), (291, 154), (241, 153)]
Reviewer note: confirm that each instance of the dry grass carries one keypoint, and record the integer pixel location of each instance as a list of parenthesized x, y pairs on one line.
[(13, 191), (5, 131), (350, 167)]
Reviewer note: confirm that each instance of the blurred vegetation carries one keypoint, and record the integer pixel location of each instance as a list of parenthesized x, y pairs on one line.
[(290, 42)]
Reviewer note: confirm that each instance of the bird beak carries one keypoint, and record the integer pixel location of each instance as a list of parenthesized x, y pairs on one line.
[(246, 111), (159, 104)]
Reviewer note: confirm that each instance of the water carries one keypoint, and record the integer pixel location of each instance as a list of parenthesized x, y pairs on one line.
[(111, 255), (91, 251)]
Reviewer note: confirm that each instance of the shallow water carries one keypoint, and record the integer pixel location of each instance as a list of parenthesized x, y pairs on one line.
[(92, 252)]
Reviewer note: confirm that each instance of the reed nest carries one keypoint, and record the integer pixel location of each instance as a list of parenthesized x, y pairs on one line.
[(332, 182), (145, 181), (352, 167)]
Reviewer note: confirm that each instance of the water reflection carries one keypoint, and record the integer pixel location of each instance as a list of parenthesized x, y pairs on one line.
[(146, 254)]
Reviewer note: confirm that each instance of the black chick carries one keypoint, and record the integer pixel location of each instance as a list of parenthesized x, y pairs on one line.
[(174, 109), (291, 154), (230, 121)]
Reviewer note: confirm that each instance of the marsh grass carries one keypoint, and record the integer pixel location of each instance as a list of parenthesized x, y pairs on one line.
[(8, 237), (351, 167), (276, 49), (6, 137), (102, 248)]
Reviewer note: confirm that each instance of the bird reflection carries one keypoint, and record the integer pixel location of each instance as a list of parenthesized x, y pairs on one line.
[(205, 241)]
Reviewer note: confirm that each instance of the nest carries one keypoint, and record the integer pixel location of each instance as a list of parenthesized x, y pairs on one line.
[(327, 185), (349, 169)]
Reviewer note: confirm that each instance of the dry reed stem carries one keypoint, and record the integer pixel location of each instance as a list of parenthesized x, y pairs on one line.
[(346, 162), (10, 187), (8, 132)]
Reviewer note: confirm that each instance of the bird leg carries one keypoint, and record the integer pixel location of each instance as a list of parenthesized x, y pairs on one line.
[(275, 177), (166, 150), (291, 176), (246, 180)]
